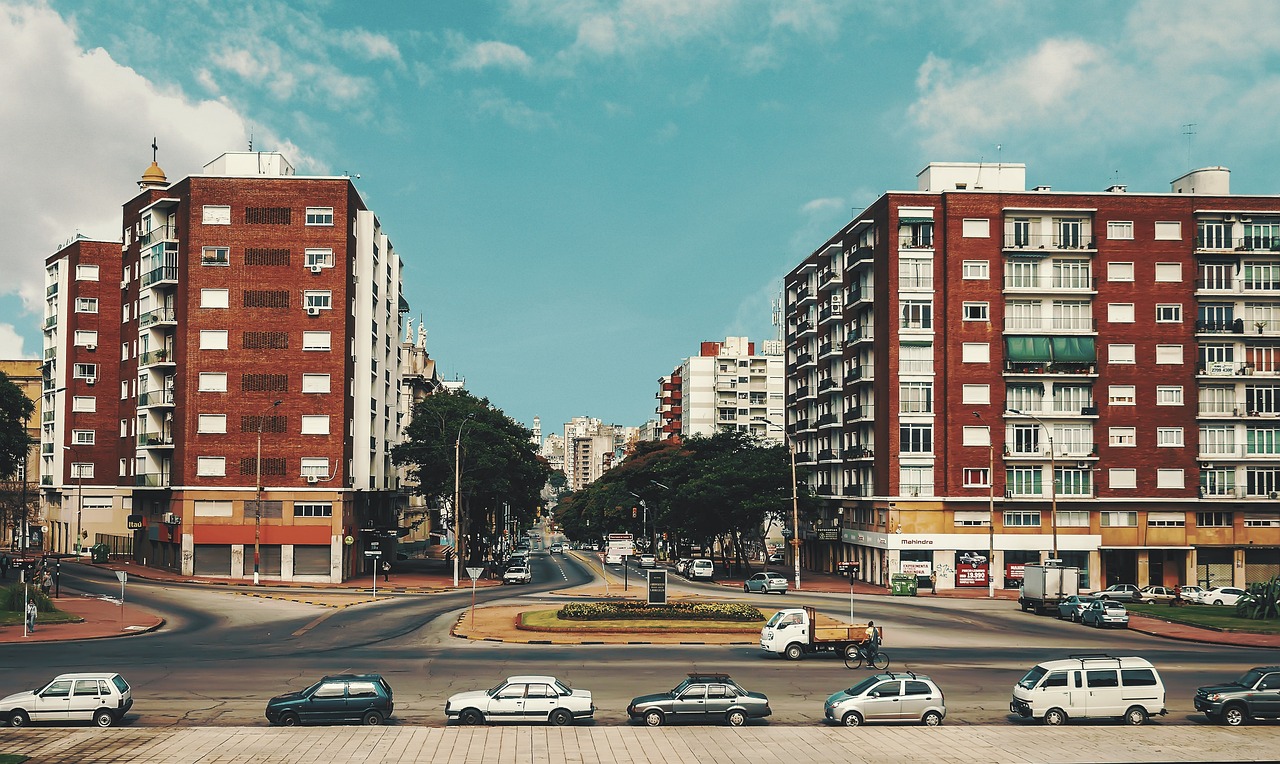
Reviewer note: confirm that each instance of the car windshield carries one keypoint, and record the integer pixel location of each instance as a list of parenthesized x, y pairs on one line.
[(312, 688), (774, 620), (563, 688), (862, 686), (1250, 678), (1032, 678), (494, 689)]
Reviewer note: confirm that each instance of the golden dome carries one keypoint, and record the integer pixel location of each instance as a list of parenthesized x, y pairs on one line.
[(153, 176)]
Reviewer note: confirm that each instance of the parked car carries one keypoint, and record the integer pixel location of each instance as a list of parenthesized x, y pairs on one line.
[(1221, 595), (1191, 593), (701, 698), (103, 698), (1073, 606), (1123, 592), (364, 698), (1158, 593), (701, 568), (647, 561), (1255, 695), (518, 574), (888, 698), (1090, 687), (682, 565), (522, 699), (775, 558), (766, 583), (1101, 613)]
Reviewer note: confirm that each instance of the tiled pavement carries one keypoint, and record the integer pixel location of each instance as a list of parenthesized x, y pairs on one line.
[(640, 745)]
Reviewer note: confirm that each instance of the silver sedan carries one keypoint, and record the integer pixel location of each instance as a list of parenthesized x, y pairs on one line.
[(767, 583)]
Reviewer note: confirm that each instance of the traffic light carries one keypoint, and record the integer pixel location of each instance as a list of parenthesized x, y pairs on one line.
[(664, 535), (634, 511)]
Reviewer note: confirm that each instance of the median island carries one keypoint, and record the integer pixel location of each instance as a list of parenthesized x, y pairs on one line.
[(630, 617)]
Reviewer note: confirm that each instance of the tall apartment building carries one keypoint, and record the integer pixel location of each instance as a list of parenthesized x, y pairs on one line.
[(21, 527), (967, 358), (591, 448), (670, 408), (249, 306), (728, 386)]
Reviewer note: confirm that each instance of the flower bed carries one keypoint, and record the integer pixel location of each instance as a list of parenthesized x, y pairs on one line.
[(684, 611)]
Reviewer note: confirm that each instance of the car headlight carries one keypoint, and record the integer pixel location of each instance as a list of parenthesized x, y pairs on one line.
[(1214, 696)]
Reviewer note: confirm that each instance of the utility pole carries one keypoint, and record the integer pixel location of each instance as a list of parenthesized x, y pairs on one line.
[(257, 505)]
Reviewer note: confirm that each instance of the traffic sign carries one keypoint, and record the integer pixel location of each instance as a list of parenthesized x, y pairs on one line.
[(122, 576), (474, 573), (372, 553)]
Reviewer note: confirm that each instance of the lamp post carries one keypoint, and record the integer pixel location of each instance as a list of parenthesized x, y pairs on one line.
[(1053, 480), (991, 512), (795, 498), (257, 505), (79, 498), (457, 496)]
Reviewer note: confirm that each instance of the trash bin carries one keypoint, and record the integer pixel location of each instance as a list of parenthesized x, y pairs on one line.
[(99, 552), (903, 585)]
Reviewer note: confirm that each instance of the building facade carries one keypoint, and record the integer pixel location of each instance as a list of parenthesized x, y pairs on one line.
[(22, 527), (730, 386), (981, 376), (246, 425)]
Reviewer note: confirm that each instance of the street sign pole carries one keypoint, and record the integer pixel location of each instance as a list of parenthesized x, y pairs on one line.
[(475, 574), (374, 554), (122, 576)]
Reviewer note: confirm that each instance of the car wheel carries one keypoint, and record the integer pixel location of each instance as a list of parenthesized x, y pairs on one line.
[(19, 718), (746, 588), (371, 719), (1136, 716), (561, 717), (932, 719), (653, 718), (736, 718), (1234, 716), (794, 651), (289, 720), (1055, 717), (852, 719), (103, 718), (471, 717), (1217, 602)]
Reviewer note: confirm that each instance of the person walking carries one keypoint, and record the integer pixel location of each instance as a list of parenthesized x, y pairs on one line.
[(31, 616), (5, 562), (386, 571), (933, 583), (46, 582)]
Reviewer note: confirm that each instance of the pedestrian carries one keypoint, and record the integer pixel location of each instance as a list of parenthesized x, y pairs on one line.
[(5, 562), (933, 583), (386, 571), (46, 583), (31, 616)]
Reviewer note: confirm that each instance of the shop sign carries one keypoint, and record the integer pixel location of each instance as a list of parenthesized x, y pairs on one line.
[(971, 575), (1014, 570), (828, 534), (915, 567)]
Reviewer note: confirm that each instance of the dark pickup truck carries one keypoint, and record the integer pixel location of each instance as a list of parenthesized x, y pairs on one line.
[(1256, 695)]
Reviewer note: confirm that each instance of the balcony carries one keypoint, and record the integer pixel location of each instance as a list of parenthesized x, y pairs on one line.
[(826, 384), (1225, 492), (46, 449), (1231, 409), (861, 491), (856, 413), (1227, 243), (828, 279), (801, 425), (805, 294), (50, 322), (155, 398), (163, 276), (858, 453), (858, 257), (1055, 413), (50, 353), (46, 480), (159, 316), (859, 293), (151, 480), (827, 455), (828, 419), (804, 359), (1233, 451), (154, 358), (1063, 451), (47, 417), (825, 489), (803, 328), (915, 283), (1050, 241), (805, 392), (1263, 327), (804, 458), (827, 313), (858, 374), (915, 242), (1040, 367), (1058, 324), (155, 440), (1068, 283), (159, 233), (51, 290)]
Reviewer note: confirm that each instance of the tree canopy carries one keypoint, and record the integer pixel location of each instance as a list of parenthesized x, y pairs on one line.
[(15, 409)]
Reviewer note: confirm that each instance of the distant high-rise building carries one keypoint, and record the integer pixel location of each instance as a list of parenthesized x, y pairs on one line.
[(727, 386)]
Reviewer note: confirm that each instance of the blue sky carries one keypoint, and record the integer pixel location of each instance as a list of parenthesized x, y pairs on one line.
[(583, 190)]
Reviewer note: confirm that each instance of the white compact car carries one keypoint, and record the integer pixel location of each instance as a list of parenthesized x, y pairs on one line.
[(522, 699), (103, 698), (517, 574)]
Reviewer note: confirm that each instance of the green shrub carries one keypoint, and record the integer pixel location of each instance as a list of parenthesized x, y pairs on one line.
[(1262, 602), (709, 611), (11, 598)]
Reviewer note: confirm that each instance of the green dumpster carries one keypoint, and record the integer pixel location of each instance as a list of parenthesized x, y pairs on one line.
[(99, 552), (903, 585)]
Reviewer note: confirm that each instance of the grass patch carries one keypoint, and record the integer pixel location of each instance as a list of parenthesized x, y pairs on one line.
[(549, 620), (11, 607), (1211, 616), (11, 758), (678, 611), (10, 618)]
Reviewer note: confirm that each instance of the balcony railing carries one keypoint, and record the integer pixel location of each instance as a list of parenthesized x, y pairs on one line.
[(1041, 367), (804, 327), (1059, 283), (859, 452), (51, 290), (827, 455), (46, 449), (826, 384), (1061, 451), (804, 359), (156, 398), (152, 357), (155, 439), (826, 314), (151, 480), (1242, 244), (804, 392), (48, 416), (164, 273), (50, 321), (1049, 241), (46, 480), (827, 419), (1057, 324), (159, 233), (158, 316), (915, 242), (1238, 326)]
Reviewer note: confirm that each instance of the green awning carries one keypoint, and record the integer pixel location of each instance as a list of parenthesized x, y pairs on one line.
[(1074, 349), (1027, 349)]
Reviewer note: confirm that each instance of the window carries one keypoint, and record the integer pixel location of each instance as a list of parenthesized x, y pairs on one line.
[(1072, 399), (1213, 519), (1168, 272), (1024, 397), (969, 518), (1072, 481), (83, 437), (1166, 519), (916, 397), (319, 216), (1119, 229), (86, 273), (1169, 437), (213, 382), (1122, 437), (1023, 519), (1073, 519), (915, 359), (317, 467), (1121, 395), (321, 299), (917, 314), (315, 424), (1166, 478), (975, 228), (85, 371), (215, 256), (211, 466), (86, 338), (975, 311), (1122, 478), (1118, 519), (1168, 395), (320, 257), (1121, 353), (313, 509), (916, 438), (86, 304), (976, 477), (977, 436), (212, 423), (1169, 354), (1261, 521), (213, 339), (1168, 314), (1098, 679), (315, 383), (82, 470), (975, 269), (1024, 481), (217, 214), (215, 298), (976, 352), (212, 508), (84, 404), (1120, 312), (1119, 271), (977, 395), (915, 481), (1168, 230), (315, 340)]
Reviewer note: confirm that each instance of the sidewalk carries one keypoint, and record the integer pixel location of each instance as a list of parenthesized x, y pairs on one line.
[(99, 618)]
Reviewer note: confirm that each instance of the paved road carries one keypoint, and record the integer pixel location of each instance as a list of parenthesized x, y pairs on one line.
[(223, 655)]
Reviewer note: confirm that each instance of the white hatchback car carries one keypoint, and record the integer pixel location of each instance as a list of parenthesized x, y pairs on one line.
[(102, 698), (522, 699), (517, 574)]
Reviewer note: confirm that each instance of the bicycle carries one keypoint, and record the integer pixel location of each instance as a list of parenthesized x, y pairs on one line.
[(857, 654)]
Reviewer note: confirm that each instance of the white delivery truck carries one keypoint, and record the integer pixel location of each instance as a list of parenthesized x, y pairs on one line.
[(1045, 586), (794, 632)]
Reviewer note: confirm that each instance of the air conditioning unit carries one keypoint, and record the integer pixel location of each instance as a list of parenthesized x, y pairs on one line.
[(90, 381), (171, 518), (317, 268), (313, 310), (90, 347), (313, 479), (124, 284)]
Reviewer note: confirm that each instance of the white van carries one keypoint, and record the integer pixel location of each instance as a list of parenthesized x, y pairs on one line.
[(1090, 687), (701, 568)]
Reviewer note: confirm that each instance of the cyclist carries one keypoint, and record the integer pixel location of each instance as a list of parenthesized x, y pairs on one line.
[(871, 645)]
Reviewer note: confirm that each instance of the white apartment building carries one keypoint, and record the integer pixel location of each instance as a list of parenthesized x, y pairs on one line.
[(729, 386)]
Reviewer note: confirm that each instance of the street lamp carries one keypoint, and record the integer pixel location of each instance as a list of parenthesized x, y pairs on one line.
[(457, 496), (795, 498), (991, 512), (1053, 480), (257, 506), (79, 496)]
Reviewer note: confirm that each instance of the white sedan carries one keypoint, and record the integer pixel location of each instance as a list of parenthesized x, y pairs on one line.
[(1221, 595), (517, 574), (522, 699)]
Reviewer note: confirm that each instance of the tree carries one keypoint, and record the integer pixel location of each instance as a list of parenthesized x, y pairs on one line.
[(500, 472), (15, 411)]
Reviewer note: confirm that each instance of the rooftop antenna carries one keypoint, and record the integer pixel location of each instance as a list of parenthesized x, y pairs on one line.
[(999, 165), (1188, 131), (777, 315), (251, 141)]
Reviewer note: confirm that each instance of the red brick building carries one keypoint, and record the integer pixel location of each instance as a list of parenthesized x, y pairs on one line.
[(252, 309), (1100, 369)]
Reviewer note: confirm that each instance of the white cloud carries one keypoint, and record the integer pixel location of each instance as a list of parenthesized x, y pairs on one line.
[(490, 102), (492, 54), (370, 46), (11, 342)]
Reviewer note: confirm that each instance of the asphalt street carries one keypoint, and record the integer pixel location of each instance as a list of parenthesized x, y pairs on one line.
[(222, 654)]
